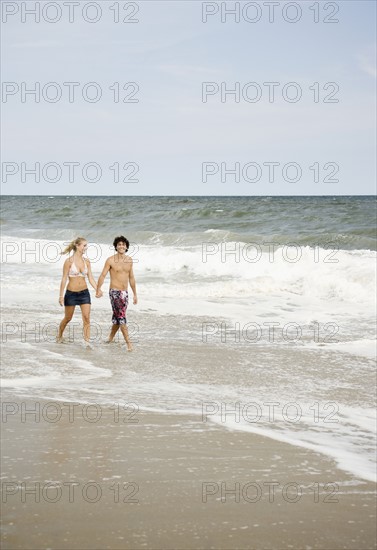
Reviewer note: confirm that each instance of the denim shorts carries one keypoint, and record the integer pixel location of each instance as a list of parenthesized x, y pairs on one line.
[(76, 298)]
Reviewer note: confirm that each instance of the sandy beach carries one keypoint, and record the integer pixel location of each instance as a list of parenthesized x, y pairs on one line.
[(168, 482)]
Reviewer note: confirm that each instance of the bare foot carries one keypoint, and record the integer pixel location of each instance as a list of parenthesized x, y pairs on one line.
[(59, 339), (87, 345), (126, 346)]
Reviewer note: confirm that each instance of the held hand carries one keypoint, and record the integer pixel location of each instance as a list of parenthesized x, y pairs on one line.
[(99, 294)]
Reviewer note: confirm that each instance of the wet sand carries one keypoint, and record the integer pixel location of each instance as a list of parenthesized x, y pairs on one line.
[(170, 482)]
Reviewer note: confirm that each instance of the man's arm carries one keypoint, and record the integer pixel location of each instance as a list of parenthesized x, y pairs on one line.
[(133, 282), (101, 279)]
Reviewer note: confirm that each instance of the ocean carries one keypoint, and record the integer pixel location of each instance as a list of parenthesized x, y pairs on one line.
[(256, 313)]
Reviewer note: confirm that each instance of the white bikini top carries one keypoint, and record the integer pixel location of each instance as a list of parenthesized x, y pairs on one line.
[(74, 272)]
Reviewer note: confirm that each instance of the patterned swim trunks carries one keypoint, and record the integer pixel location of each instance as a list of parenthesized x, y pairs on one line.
[(119, 303)]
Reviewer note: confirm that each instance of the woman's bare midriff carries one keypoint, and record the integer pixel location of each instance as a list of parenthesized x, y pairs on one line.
[(76, 284)]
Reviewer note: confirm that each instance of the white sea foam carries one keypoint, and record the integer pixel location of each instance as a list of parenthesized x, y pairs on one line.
[(341, 450), (176, 280), (184, 274)]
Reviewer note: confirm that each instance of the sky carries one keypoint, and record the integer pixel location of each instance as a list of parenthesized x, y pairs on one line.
[(147, 108)]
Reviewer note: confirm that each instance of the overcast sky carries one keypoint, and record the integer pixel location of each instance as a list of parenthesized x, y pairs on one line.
[(170, 140)]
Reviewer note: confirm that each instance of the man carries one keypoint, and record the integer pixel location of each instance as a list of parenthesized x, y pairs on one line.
[(121, 272)]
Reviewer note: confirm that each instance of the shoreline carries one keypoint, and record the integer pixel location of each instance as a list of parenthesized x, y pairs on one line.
[(197, 486), (69, 408), (178, 379)]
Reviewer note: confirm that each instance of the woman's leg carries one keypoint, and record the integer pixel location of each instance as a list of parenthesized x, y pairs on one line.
[(85, 312), (68, 314)]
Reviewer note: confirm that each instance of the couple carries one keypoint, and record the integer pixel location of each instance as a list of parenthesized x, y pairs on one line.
[(76, 268)]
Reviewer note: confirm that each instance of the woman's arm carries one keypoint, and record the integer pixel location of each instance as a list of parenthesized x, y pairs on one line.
[(90, 275), (64, 281)]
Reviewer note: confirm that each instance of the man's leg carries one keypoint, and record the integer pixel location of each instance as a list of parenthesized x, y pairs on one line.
[(119, 302), (114, 330), (124, 330), (115, 326)]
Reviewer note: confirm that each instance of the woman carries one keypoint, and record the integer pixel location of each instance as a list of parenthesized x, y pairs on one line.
[(76, 268)]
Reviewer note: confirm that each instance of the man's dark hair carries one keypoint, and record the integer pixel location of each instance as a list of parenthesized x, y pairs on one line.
[(121, 239)]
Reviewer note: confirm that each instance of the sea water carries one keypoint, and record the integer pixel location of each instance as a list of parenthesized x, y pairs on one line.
[(257, 313)]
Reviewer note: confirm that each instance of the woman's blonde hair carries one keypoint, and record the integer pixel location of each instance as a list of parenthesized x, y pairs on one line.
[(73, 245)]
